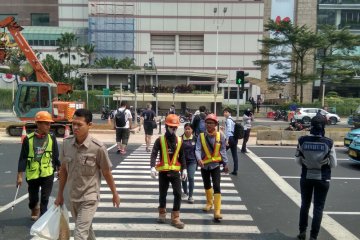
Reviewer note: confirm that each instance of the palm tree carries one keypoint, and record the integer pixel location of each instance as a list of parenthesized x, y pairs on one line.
[(87, 53), (67, 47), (107, 62)]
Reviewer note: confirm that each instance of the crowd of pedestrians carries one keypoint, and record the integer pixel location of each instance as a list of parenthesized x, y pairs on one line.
[(83, 160)]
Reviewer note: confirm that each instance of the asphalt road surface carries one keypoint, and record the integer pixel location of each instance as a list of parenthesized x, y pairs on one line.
[(262, 202)]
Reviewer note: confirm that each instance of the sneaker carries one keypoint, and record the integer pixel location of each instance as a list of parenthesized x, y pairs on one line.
[(122, 152), (118, 151), (148, 150), (184, 196), (191, 200), (244, 151)]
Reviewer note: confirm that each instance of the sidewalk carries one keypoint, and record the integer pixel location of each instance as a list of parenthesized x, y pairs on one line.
[(108, 136)]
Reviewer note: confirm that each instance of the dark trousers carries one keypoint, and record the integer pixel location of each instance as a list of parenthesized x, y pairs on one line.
[(233, 148), (46, 184), (245, 140), (215, 176), (320, 189), (164, 179)]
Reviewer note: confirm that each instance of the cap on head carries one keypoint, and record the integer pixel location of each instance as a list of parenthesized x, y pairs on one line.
[(172, 120), (43, 116), (212, 117), (318, 122)]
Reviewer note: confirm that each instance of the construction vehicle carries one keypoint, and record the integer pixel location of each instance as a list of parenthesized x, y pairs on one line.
[(42, 95)]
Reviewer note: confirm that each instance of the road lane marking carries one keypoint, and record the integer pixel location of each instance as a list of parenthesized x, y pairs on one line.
[(293, 158), (329, 224), (332, 178), (150, 228), (342, 213)]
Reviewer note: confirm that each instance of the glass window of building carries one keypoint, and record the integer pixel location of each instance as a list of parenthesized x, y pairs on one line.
[(163, 43), (40, 19), (191, 43)]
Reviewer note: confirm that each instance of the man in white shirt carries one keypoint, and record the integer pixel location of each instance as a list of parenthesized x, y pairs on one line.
[(231, 141), (122, 124)]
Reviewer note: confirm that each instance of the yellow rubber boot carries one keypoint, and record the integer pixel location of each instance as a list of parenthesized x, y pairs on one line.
[(209, 200), (162, 215), (217, 206)]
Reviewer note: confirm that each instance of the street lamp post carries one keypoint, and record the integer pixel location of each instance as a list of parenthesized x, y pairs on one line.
[(218, 24)]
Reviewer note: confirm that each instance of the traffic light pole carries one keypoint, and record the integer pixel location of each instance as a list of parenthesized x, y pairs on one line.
[(157, 85), (237, 102)]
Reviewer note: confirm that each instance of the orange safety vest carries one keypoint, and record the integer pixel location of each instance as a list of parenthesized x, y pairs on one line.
[(164, 164), (215, 157)]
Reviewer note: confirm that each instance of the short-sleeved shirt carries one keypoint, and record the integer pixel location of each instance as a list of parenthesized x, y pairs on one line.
[(84, 164), (127, 116), (148, 115)]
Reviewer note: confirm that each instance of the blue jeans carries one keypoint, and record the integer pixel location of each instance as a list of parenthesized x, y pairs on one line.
[(191, 168), (320, 189)]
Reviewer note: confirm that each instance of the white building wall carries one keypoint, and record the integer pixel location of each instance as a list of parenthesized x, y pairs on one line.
[(239, 32)]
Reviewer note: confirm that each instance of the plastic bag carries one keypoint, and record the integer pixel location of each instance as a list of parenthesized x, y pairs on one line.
[(53, 225)]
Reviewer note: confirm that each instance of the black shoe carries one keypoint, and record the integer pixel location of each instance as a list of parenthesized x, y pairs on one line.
[(234, 173), (244, 151), (118, 151), (301, 236)]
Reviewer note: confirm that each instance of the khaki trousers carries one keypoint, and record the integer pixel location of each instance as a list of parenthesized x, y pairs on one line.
[(83, 214)]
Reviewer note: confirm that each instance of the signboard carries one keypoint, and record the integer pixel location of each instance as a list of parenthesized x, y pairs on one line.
[(106, 91)]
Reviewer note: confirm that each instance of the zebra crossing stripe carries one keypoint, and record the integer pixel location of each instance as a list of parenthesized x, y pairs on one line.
[(193, 228), (156, 190), (115, 176), (170, 197), (154, 205), (152, 183)]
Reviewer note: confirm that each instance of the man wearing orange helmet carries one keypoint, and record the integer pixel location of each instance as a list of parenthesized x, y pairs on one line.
[(172, 162), (39, 158), (210, 153)]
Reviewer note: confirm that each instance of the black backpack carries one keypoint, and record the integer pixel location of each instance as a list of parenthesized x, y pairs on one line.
[(120, 118), (238, 130)]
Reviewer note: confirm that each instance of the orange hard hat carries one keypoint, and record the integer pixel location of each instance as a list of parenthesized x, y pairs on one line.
[(212, 117), (172, 120), (43, 116)]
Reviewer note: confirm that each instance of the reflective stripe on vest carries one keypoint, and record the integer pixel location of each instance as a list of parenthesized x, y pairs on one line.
[(42, 168), (164, 164), (215, 156)]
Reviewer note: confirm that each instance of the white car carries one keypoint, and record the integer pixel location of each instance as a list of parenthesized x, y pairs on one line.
[(306, 114)]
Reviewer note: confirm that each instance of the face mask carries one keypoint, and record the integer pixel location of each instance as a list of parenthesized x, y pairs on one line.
[(172, 131)]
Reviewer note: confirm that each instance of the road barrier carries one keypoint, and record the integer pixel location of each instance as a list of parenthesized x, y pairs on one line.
[(291, 137), (268, 137), (337, 137)]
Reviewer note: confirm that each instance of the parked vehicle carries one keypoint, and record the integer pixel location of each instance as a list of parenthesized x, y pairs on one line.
[(106, 113), (280, 115), (349, 137), (306, 114), (354, 150)]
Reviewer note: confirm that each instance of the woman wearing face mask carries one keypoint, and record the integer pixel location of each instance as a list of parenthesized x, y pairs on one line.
[(211, 153), (189, 142), (172, 163)]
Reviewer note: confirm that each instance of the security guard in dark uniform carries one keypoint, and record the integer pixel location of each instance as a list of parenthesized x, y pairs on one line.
[(39, 158), (316, 154)]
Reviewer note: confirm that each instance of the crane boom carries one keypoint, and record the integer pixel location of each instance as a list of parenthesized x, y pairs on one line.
[(15, 30)]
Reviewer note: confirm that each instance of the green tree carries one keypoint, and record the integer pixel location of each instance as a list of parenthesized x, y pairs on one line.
[(87, 53), (68, 48), (289, 48), (127, 63), (336, 55), (107, 62), (54, 67)]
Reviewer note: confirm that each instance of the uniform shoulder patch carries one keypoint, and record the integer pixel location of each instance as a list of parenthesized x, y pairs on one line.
[(97, 142)]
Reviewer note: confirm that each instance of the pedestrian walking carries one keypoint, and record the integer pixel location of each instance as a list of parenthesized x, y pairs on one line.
[(172, 162), (247, 119), (148, 119), (199, 121), (258, 104), (210, 153), (172, 109), (39, 159), (122, 124), (189, 143), (231, 141), (83, 160), (316, 154)]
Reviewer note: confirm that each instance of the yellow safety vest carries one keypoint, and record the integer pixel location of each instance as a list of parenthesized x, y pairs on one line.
[(42, 168), (164, 164), (215, 156)]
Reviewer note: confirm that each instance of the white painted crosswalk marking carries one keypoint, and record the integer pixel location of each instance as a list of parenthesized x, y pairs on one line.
[(139, 194)]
